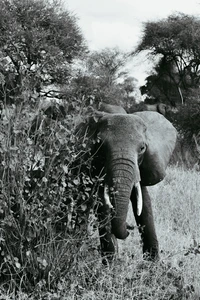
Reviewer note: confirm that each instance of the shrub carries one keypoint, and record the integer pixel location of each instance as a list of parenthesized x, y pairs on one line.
[(187, 122), (45, 197)]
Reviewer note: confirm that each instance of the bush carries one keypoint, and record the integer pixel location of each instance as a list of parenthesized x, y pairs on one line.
[(45, 197), (187, 122)]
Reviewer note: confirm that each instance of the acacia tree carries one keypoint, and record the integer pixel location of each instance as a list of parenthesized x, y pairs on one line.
[(107, 64), (106, 79), (176, 41), (38, 42)]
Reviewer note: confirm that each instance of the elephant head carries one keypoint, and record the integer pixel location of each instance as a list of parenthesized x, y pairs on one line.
[(133, 151)]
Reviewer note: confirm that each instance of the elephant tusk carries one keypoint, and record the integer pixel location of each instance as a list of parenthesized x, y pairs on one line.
[(139, 198), (107, 197)]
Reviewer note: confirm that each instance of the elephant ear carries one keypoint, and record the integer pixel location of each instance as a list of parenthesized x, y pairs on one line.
[(161, 139), (87, 127)]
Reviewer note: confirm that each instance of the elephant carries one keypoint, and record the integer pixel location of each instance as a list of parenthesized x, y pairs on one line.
[(110, 108), (161, 108), (158, 107), (130, 152)]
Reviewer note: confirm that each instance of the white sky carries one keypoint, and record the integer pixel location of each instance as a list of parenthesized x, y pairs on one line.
[(110, 23)]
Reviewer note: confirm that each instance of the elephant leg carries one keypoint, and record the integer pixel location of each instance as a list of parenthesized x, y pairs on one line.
[(108, 241), (145, 222)]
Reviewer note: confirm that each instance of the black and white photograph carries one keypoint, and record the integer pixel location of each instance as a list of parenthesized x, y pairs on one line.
[(99, 150)]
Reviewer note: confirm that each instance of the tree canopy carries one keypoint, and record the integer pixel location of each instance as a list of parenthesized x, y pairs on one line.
[(108, 64), (106, 79), (176, 41), (39, 40)]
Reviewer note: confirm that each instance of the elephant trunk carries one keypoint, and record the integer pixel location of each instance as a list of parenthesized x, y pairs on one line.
[(125, 175)]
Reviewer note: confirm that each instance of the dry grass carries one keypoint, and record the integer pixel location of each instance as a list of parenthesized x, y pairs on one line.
[(176, 208)]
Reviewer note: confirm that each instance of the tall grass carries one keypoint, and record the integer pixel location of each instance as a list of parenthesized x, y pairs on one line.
[(176, 276)]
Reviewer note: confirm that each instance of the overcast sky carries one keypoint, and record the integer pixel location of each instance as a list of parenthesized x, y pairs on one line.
[(110, 23)]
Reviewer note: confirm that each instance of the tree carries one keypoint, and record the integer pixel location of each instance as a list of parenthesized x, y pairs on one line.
[(129, 91), (176, 41), (39, 40), (107, 65), (108, 77), (160, 87)]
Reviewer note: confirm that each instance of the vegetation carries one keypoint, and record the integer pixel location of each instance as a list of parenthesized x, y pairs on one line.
[(77, 272), (105, 79), (39, 41), (39, 191), (49, 246), (175, 42)]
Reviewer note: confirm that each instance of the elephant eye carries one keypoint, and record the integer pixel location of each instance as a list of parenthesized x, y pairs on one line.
[(142, 148)]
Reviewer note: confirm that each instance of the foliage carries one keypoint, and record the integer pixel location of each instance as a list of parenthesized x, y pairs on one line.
[(103, 79), (39, 41), (107, 64), (175, 41), (187, 120), (91, 91), (48, 237), (159, 87), (45, 202), (176, 276)]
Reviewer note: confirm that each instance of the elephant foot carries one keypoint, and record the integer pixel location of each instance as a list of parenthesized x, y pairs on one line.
[(109, 248), (151, 254), (107, 259)]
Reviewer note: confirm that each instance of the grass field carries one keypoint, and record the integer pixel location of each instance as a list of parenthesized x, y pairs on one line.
[(176, 203)]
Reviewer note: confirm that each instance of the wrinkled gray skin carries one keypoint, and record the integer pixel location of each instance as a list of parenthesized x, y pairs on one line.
[(109, 108), (161, 108), (130, 148)]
